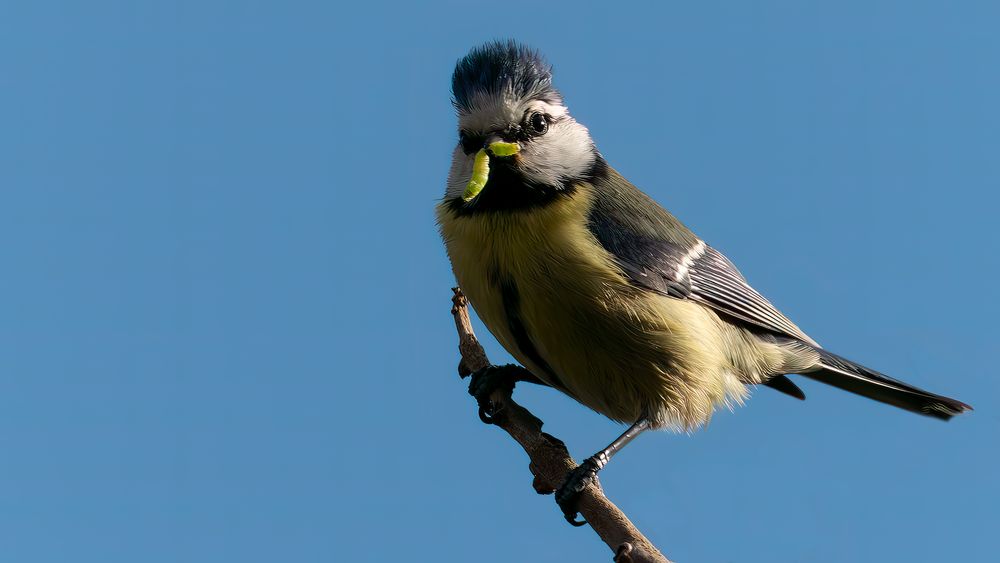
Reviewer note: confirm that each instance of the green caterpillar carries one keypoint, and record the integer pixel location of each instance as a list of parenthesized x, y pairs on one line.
[(481, 167), (480, 174)]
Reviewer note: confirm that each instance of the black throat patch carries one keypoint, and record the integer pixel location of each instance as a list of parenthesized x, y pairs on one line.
[(507, 190)]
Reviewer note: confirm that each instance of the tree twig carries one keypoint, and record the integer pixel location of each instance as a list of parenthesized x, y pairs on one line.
[(550, 460)]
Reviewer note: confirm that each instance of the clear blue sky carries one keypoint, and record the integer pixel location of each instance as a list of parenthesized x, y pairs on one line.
[(224, 329)]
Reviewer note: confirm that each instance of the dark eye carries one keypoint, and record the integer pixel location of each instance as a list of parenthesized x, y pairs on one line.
[(538, 124)]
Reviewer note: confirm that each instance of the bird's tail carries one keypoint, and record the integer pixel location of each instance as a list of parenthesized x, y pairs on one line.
[(856, 378)]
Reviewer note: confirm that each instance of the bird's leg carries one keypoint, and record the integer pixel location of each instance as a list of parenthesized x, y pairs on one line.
[(577, 480), (493, 378)]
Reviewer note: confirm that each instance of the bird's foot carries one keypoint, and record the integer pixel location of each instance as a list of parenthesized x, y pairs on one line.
[(568, 495), (494, 378)]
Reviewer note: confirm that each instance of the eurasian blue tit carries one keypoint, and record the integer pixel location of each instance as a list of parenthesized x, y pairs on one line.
[(597, 290)]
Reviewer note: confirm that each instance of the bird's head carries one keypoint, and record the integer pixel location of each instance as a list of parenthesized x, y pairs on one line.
[(518, 146)]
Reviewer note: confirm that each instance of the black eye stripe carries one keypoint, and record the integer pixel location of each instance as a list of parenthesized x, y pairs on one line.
[(470, 143), (524, 131)]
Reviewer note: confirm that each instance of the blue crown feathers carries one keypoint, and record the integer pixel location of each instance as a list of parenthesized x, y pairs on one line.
[(502, 68)]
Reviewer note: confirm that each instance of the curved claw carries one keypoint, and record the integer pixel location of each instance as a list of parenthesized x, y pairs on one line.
[(489, 379), (486, 415), (576, 481)]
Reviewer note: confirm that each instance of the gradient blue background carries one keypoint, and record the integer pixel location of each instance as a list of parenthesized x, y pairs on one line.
[(224, 328)]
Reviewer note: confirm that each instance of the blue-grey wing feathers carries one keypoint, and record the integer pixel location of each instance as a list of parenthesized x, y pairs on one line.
[(716, 282), (659, 253)]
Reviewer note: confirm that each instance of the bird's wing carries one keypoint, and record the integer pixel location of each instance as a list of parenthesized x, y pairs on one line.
[(659, 253)]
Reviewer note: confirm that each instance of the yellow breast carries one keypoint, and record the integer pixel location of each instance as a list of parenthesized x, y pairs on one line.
[(616, 349)]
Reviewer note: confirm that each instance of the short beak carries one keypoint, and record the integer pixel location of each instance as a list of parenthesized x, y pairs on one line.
[(481, 166)]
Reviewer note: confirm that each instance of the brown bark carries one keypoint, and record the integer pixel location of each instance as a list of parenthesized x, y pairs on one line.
[(550, 460)]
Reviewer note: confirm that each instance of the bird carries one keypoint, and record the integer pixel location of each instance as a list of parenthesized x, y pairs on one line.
[(597, 290)]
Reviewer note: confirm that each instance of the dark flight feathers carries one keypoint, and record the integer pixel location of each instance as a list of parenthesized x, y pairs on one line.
[(856, 378)]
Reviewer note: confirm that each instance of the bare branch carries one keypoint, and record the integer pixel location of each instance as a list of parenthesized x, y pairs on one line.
[(550, 460)]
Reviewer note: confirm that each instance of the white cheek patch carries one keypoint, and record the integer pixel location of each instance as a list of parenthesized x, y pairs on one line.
[(563, 153)]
